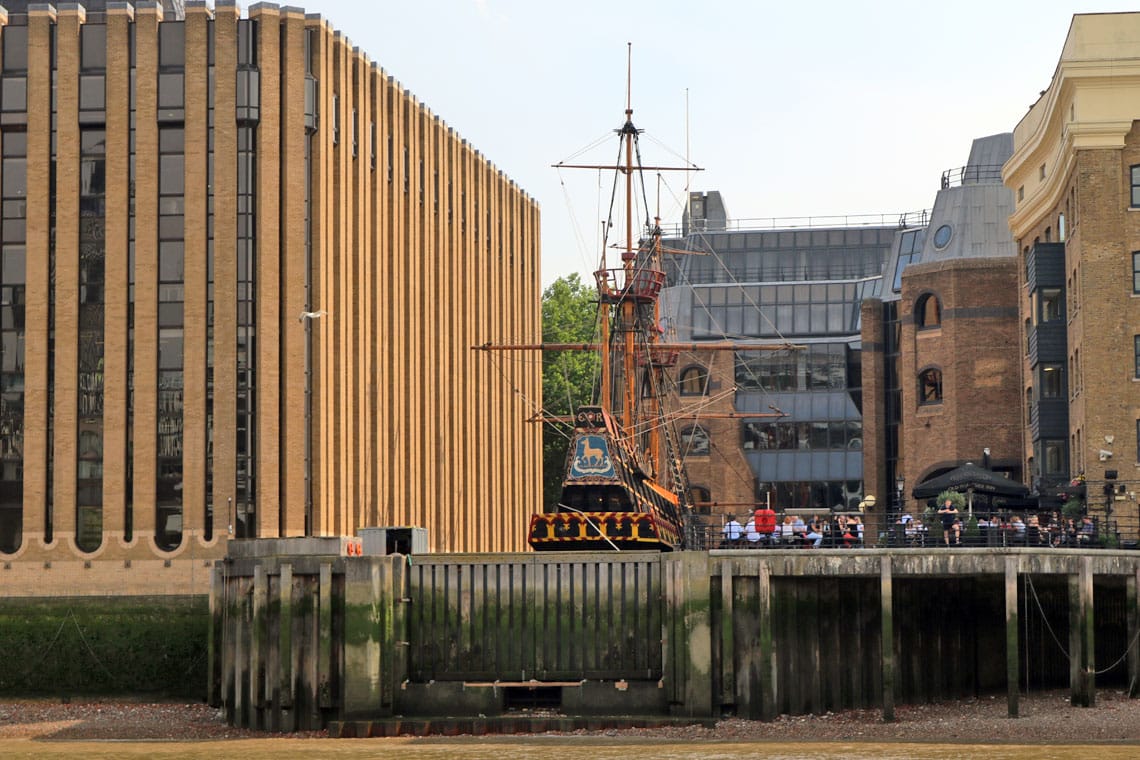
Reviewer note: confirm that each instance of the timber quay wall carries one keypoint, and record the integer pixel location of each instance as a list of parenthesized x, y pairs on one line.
[(364, 645)]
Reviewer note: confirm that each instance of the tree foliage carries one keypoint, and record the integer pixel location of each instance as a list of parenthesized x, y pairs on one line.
[(569, 315)]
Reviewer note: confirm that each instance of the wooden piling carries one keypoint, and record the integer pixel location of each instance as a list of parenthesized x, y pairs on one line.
[(767, 651), (886, 612), (727, 645), (1132, 610), (1012, 655)]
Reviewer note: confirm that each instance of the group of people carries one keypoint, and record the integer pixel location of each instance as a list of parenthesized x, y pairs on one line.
[(1005, 530), (765, 529)]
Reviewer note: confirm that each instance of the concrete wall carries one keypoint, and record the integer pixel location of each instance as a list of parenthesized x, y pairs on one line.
[(299, 642)]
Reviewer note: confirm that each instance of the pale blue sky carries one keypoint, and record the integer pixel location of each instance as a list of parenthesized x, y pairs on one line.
[(795, 108)]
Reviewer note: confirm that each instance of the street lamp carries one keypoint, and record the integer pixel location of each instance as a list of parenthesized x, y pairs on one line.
[(900, 485)]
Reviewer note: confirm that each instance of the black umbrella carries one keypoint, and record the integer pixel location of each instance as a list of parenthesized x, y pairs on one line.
[(970, 477)]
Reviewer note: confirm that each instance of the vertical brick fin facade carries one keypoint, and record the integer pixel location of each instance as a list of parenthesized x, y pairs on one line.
[(36, 443), (385, 246), (225, 264), (117, 276), (66, 304), (293, 430), (194, 305), (147, 18), (268, 264)]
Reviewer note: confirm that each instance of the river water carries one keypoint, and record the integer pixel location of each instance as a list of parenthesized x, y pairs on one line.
[(545, 748)]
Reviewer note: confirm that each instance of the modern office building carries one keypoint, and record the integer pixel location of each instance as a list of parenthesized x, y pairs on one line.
[(1075, 172), (242, 271), (780, 425), (940, 346)]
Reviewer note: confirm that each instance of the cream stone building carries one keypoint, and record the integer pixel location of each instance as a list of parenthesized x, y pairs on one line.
[(1075, 173), (241, 272)]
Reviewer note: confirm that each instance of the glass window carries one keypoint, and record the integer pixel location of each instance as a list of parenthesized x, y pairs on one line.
[(694, 381), (171, 180), (1136, 356), (171, 44), (930, 386), (1055, 457), (169, 349), (15, 48), (1051, 304), (927, 311), (942, 236), (1135, 172), (93, 46), (1136, 272), (12, 262), (14, 182), (170, 90), (1052, 381), (694, 441), (13, 92)]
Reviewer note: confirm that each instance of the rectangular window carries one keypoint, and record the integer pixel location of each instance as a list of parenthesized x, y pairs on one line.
[(1052, 385), (1050, 304), (1135, 174), (1136, 272), (1136, 356)]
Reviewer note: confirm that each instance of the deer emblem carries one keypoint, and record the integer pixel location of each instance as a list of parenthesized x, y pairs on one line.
[(592, 457)]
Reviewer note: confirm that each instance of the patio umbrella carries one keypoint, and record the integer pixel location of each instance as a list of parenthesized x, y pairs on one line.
[(971, 479)]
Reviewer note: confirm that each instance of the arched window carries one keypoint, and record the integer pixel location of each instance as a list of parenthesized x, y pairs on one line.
[(930, 386), (694, 441), (694, 381), (701, 498), (927, 311)]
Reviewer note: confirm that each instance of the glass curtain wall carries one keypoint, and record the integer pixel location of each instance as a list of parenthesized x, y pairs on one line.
[(13, 264), (92, 266), (171, 283), (247, 115)]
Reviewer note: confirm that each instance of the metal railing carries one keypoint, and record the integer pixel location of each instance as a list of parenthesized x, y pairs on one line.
[(972, 175), (903, 220)]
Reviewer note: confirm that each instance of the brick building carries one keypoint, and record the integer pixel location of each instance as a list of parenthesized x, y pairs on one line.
[(785, 425), (940, 372), (1075, 171), (242, 269)]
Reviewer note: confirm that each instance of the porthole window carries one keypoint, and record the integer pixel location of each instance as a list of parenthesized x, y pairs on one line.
[(942, 236)]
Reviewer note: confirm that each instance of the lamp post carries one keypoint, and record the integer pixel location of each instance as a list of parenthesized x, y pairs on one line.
[(900, 501)]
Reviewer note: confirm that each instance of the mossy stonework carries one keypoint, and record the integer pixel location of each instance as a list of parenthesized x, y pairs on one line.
[(688, 635)]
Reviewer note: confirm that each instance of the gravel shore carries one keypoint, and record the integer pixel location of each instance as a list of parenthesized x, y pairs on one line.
[(1046, 718)]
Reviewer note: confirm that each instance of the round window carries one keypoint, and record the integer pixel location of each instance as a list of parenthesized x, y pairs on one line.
[(942, 236)]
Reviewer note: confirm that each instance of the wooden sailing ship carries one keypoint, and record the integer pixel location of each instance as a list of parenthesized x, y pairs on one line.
[(624, 485)]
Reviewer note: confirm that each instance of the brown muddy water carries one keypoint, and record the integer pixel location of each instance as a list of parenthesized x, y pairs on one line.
[(544, 748)]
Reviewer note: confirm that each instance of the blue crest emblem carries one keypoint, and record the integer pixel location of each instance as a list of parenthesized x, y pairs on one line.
[(591, 458)]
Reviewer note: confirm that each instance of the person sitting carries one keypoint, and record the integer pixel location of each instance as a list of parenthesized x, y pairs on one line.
[(786, 533), (731, 532), (799, 528), (814, 532), (751, 534), (1086, 533), (1019, 529)]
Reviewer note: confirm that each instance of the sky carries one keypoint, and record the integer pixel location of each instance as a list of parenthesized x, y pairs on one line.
[(792, 109)]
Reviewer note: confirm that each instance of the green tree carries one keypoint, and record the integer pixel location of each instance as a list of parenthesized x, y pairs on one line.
[(569, 315)]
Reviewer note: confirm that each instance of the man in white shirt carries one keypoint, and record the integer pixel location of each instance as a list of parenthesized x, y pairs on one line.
[(731, 532)]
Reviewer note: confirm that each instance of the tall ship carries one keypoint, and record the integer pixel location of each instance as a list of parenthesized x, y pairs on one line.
[(624, 485)]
